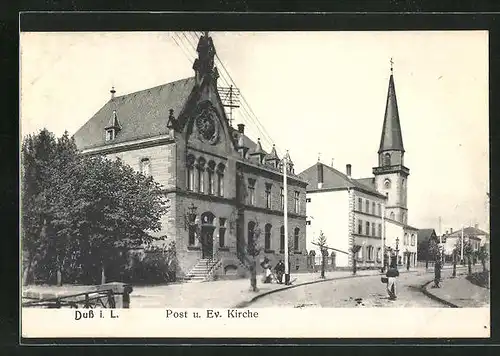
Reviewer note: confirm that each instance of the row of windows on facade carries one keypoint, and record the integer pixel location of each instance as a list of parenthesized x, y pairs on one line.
[(376, 208), (251, 235), (199, 171), (268, 191), (367, 253)]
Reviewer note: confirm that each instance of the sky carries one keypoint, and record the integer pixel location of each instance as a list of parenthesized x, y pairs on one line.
[(317, 94)]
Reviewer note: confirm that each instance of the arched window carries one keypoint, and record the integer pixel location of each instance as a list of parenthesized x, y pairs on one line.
[(387, 183), (282, 238), (413, 239), (211, 183), (392, 216), (250, 243), (387, 159), (220, 179), (296, 239), (267, 237), (405, 241), (146, 167), (379, 254), (369, 253), (190, 172), (201, 174)]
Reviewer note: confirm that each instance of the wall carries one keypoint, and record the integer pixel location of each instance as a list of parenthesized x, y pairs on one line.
[(328, 211)]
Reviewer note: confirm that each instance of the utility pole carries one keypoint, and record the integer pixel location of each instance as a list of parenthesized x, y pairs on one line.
[(285, 218), (462, 245), (440, 232), (230, 99)]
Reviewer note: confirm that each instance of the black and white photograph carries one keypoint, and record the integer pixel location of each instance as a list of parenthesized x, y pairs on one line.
[(242, 174)]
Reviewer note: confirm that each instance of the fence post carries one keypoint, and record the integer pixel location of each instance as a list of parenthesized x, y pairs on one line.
[(120, 293)]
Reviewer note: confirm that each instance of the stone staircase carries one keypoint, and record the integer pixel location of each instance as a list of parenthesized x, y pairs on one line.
[(202, 270)]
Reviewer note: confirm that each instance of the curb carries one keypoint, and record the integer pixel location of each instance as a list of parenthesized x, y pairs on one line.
[(423, 289), (257, 297)]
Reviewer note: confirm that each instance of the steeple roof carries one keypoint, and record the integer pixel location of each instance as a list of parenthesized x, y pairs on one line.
[(392, 138)]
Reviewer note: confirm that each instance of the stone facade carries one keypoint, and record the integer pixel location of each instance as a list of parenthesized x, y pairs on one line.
[(216, 178)]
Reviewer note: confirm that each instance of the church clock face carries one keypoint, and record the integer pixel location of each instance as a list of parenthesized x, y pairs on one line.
[(207, 124)]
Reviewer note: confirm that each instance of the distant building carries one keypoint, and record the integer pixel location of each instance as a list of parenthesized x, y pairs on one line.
[(364, 212), (211, 172), (476, 237)]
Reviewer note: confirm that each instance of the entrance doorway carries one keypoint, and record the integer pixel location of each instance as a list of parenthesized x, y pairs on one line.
[(207, 235)]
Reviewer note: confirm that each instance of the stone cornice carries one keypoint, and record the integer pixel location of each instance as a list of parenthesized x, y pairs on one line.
[(129, 145)]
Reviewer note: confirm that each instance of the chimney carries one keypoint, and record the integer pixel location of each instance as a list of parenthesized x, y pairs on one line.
[(476, 226), (112, 91), (241, 128), (451, 230), (348, 169), (320, 175), (446, 232)]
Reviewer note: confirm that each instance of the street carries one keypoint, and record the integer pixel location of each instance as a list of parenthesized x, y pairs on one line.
[(366, 291)]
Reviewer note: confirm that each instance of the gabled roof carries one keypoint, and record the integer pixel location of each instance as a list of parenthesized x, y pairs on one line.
[(392, 138), (425, 234), (142, 114), (334, 179)]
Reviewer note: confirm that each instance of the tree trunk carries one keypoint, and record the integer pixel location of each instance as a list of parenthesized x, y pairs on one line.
[(483, 262), (253, 275), (323, 265), (426, 264), (454, 266), (469, 265), (27, 275), (354, 265), (103, 275), (408, 262), (59, 276)]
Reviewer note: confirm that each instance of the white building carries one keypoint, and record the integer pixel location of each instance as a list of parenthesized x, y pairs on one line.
[(368, 212)]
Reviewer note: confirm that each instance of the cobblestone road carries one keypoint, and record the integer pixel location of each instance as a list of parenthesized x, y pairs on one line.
[(362, 292)]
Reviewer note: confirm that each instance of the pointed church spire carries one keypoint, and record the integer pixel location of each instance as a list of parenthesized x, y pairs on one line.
[(392, 138)]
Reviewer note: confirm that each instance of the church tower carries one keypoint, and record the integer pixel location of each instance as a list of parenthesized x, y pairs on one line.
[(391, 174)]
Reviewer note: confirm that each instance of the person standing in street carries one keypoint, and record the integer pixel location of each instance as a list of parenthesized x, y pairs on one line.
[(392, 274), (280, 271)]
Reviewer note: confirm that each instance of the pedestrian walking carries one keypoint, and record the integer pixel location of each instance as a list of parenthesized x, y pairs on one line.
[(279, 269), (392, 274)]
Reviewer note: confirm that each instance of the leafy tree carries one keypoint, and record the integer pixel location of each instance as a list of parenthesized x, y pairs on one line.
[(435, 254), (483, 255), (82, 213), (324, 252), (468, 252)]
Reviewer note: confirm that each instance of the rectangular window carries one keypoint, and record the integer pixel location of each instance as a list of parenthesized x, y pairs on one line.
[(379, 230), (222, 231), (268, 196), (282, 199), (367, 206), (146, 167), (373, 230), (192, 233), (379, 210), (251, 191), (110, 135), (360, 204), (373, 209), (308, 200), (297, 202), (360, 227), (368, 228)]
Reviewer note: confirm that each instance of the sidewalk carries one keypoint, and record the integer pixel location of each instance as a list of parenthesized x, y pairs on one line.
[(460, 292), (214, 294)]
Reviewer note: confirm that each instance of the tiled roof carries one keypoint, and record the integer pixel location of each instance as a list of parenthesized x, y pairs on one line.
[(469, 231), (334, 179), (369, 182), (142, 114)]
